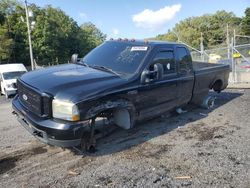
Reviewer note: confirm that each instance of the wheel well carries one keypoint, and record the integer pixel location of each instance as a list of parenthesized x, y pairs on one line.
[(217, 85), (122, 111), (121, 116)]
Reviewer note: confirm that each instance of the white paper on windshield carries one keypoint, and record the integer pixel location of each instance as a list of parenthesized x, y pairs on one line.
[(139, 48)]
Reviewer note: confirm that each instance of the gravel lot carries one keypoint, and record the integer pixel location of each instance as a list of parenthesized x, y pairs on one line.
[(201, 148)]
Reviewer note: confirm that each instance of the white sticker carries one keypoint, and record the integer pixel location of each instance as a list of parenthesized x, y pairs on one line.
[(139, 48), (168, 66)]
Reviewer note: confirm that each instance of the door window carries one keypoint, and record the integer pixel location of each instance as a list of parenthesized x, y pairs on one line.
[(166, 59), (184, 60)]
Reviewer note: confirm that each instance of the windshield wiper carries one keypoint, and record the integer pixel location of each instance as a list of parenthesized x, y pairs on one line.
[(82, 63), (105, 69)]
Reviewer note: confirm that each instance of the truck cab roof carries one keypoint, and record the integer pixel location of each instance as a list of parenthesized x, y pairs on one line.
[(151, 43)]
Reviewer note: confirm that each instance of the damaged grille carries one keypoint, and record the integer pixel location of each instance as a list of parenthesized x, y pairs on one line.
[(35, 102)]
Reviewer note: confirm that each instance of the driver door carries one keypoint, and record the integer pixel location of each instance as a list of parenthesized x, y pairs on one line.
[(159, 95)]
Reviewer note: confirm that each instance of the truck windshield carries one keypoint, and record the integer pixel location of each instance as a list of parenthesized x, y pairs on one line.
[(120, 57), (12, 75)]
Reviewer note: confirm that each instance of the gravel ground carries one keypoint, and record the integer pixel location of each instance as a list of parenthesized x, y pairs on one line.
[(200, 148)]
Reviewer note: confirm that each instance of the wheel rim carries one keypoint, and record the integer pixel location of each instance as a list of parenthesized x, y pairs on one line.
[(210, 103)]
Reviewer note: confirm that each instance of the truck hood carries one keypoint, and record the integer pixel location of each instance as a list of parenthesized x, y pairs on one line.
[(71, 81)]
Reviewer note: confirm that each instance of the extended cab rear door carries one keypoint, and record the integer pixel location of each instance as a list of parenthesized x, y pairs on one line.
[(185, 73)]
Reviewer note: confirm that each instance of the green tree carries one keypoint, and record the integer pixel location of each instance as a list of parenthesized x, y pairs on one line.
[(15, 31), (246, 22), (54, 36), (90, 37), (212, 26), (6, 44), (18, 32)]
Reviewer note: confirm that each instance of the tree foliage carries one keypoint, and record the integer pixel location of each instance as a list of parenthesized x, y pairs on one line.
[(55, 36), (246, 22), (91, 36), (212, 26), (6, 43)]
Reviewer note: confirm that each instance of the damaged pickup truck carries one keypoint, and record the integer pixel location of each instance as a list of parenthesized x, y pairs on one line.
[(122, 81)]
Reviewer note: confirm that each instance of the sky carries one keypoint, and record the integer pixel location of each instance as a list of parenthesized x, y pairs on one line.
[(140, 18)]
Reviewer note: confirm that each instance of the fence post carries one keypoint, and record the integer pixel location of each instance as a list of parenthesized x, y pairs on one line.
[(233, 62), (202, 48), (228, 43)]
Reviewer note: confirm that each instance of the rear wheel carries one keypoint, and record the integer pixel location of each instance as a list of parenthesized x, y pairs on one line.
[(208, 102), (217, 86)]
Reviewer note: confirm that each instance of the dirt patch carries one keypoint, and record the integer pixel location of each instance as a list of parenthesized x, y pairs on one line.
[(200, 131), (105, 180), (147, 150), (206, 133), (8, 162), (83, 162)]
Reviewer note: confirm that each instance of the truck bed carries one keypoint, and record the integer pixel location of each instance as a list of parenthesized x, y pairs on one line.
[(204, 67), (206, 75)]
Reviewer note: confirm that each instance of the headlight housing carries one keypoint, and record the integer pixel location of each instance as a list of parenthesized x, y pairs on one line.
[(65, 110)]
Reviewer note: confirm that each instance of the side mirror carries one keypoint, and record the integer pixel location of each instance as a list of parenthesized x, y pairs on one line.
[(74, 58), (152, 75)]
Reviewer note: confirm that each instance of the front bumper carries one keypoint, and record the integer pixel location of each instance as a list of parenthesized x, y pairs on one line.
[(50, 131)]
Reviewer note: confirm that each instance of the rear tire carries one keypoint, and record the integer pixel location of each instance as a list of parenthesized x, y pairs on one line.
[(208, 102), (217, 86)]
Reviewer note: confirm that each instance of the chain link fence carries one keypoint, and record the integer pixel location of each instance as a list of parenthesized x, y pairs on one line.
[(237, 56)]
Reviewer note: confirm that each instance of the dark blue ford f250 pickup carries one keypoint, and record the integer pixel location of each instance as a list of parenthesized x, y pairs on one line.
[(124, 81)]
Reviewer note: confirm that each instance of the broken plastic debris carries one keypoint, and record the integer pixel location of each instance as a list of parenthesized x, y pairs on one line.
[(183, 177), (71, 172)]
